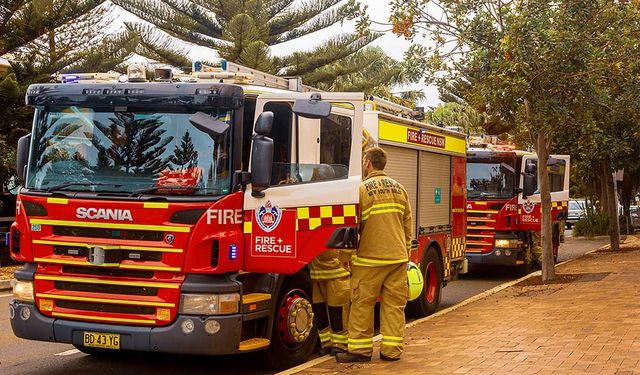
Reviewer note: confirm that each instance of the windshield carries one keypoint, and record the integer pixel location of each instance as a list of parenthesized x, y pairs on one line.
[(490, 180), (85, 149)]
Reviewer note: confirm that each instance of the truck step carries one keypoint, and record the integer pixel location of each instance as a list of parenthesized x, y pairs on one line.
[(255, 298), (253, 344)]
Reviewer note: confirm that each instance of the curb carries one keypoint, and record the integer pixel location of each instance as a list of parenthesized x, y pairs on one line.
[(5, 285), (582, 238), (467, 301)]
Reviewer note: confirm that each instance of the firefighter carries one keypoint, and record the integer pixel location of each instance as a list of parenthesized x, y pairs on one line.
[(380, 264), (330, 297)]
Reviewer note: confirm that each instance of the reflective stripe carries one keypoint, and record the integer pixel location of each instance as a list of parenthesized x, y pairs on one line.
[(339, 339), (360, 343), (367, 262), (383, 205), (87, 280), (383, 211), (329, 274), (359, 346), (392, 338), (324, 337), (105, 300)]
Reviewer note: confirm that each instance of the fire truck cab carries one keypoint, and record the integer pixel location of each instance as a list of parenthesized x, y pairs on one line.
[(503, 204), (179, 216)]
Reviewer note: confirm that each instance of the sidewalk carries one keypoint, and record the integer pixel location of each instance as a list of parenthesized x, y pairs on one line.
[(586, 322)]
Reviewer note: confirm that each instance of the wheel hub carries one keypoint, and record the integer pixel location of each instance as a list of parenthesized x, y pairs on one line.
[(296, 317)]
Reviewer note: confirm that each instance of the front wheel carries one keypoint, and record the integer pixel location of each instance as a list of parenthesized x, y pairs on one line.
[(293, 336), (428, 300)]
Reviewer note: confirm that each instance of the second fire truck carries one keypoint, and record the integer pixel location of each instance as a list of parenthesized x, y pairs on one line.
[(179, 216), (503, 204)]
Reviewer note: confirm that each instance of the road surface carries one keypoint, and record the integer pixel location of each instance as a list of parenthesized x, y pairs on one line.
[(19, 356)]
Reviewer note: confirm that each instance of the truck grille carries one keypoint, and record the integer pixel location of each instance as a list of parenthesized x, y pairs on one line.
[(137, 235), (481, 230), (105, 307), (107, 272), (108, 289)]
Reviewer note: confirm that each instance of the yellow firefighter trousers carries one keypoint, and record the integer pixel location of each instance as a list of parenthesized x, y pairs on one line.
[(536, 248), (367, 283), (331, 307)]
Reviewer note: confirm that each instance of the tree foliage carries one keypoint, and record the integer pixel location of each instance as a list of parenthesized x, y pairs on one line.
[(559, 71)]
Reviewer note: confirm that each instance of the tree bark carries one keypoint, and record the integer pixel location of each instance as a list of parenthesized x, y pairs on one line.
[(546, 233), (604, 196), (614, 226)]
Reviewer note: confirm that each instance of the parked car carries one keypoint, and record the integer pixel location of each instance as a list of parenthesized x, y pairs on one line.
[(635, 216), (577, 210)]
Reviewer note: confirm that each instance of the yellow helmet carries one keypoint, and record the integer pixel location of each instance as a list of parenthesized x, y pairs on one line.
[(415, 280)]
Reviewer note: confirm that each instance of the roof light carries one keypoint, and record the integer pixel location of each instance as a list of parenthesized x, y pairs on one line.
[(70, 78), (196, 66), (136, 73), (206, 91), (163, 74)]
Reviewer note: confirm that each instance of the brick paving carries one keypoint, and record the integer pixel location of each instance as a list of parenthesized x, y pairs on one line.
[(589, 325)]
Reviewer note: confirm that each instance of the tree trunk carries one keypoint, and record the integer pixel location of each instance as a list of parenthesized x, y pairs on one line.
[(614, 226), (604, 197), (546, 233)]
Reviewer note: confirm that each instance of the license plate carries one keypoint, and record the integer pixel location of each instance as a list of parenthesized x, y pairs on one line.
[(101, 340)]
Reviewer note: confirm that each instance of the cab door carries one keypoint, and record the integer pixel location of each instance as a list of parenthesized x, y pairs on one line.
[(316, 172), (529, 205)]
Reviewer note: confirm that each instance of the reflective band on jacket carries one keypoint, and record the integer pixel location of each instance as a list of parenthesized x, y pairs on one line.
[(392, 340), (382, 208), (360, 343), (339, 339), (329, 274), (368, 262), (324, 337)]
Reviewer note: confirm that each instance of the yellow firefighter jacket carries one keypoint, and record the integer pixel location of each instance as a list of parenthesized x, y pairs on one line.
[(385, 222), (327, 266)]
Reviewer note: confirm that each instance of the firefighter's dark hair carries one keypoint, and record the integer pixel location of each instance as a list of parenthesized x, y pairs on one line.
[(377, 157)]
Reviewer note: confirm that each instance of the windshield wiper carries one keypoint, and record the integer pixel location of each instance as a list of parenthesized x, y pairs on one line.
[(151, 189), (67, 184)]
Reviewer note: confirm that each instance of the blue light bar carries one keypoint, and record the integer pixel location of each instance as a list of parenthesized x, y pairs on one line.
[(197, 66), (223, 64), (233, 252), (70, 78)]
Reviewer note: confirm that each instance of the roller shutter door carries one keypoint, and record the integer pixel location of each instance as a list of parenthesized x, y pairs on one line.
[(402, 166), (435, 174)]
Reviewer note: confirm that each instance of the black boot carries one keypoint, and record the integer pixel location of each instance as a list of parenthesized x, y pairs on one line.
[(335, 351), (352, 357)]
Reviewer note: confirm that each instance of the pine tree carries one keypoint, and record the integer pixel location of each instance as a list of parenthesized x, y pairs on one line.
[(243, 31), (138, 145), (185, 156)]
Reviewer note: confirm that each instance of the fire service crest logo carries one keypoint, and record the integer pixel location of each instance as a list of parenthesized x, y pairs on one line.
[(268, 216), (528, 206)]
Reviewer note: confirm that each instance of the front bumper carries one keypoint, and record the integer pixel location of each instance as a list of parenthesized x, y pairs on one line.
[(168, 339), (492, 258)]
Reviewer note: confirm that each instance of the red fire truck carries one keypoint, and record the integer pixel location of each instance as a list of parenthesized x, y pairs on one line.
[(503, 204), (179, 216)]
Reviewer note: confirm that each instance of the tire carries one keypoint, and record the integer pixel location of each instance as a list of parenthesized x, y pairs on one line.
[(283, 352), (432, 272)]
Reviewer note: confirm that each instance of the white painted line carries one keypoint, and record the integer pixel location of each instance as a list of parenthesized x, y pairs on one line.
[(467, 301), (6, 295), (68, 352)]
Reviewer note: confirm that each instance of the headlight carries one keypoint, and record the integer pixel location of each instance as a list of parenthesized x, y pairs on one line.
[(506, 243), (209, 304), (23, 290)]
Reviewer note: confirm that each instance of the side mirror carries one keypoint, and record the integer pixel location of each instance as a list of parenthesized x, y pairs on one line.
[(531, 167), (313, 108), (208, 124), (22, 156), (343, 238), (264, 123), (261, 155), (529, 184)]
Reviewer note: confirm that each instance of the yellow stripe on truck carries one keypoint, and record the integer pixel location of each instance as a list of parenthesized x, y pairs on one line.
[(88, 280)]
